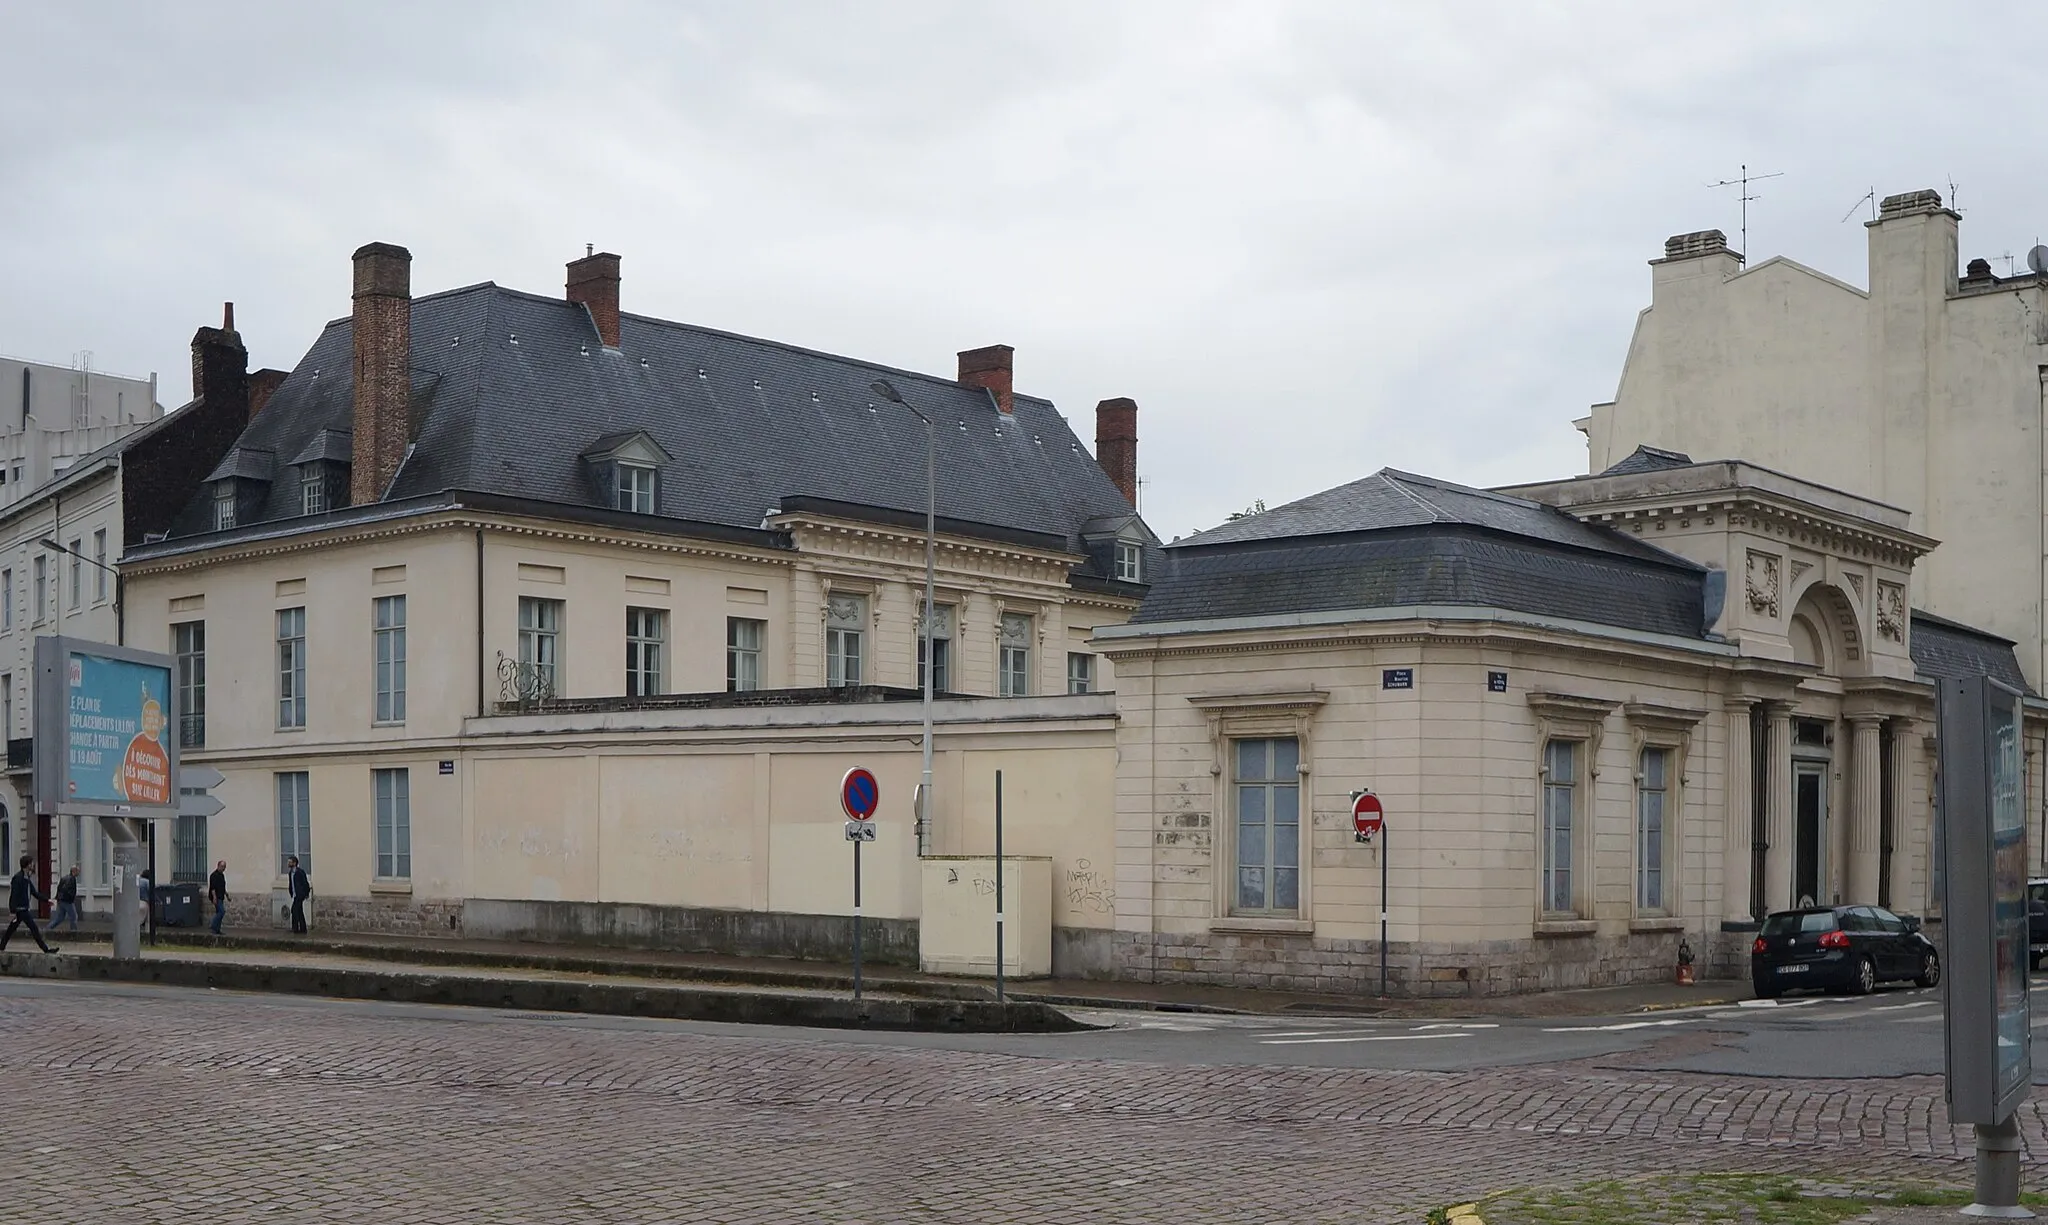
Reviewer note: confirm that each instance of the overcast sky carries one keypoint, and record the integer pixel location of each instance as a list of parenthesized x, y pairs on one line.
[(1311, 240)]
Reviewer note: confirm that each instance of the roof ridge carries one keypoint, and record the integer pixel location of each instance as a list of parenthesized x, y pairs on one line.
[(1434, 482), (1393, 477)]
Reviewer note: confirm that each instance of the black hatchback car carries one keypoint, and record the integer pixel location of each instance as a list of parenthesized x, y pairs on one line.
[(1840, 948)]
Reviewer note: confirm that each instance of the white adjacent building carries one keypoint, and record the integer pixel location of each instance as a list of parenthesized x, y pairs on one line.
[(51, 416)]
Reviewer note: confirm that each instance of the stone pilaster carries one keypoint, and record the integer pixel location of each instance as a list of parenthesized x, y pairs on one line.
[(1778, 811), (1740, 789), (1866, 806)]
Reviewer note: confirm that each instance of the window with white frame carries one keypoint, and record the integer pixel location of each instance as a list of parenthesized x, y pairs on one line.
[(313, 489), (635, 489), (388, 622), (941, 647), (1080, 672), (1130, 561), (188, 645), (76, 556), (7, 705), (99, 571), (540, 644), (291, 668), (845, 626), (394, 823), (1560, 812), (1652, 806), (646, 645), (1266, 791), (743, 654), (294, 821), (40, 608), (7, 598), (224, 507), (1013, 656)]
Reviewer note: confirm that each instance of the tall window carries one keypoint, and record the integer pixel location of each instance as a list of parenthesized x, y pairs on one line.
[(313, 489), (635, 490), (845, 621), (77, 573), (291, 667), (646, 643), (224, 508), (7, 705), (1268, 786), (188, 643), (743, 654), (1652, 791), (41, 566), (294, 821), (1129, 561), (394, 823), (1013, 663), (389, 632), (1080, 672), (1560, 797), (942, 647), (99, 571), (540, 643), (7, 598)]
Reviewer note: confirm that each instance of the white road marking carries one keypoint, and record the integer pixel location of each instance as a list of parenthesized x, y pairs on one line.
[(1313, 1033), (1457, 1025), (1590, 1029), (1362, 1038), (1899, 1007)]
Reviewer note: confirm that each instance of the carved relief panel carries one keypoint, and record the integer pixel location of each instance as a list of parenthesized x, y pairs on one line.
[(1764, 583)]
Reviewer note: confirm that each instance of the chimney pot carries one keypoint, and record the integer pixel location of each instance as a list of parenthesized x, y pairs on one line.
[(594, 285), (1696, 244), (1116, 444), (1905, 204), (227, 317), (382, 326), (991, 367)]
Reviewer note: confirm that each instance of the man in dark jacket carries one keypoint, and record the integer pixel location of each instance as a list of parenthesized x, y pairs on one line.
[(67, 900), (21, 898), (299, 888), (217, 893)]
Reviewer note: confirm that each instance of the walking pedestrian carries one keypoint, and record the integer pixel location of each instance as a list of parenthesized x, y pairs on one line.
[(67, 900), (145, 891), (217, 891), (21, 897), (300, 888)]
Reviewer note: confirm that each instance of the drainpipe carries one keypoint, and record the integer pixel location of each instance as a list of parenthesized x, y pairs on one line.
[(480, 623)]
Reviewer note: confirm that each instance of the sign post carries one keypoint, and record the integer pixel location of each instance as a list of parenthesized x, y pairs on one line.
[(1982, 838), (999, 887), (1368, 821), (104, 748), (859, 796)]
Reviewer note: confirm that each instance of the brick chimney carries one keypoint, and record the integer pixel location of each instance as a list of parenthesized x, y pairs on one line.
[(594, 285), (262, 384), (1116, 444), (220, 365), (991, 368), (383, 370), (163, 471)]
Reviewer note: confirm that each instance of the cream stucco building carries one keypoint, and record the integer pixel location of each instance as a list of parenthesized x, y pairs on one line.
[(1923, 390), (521, 615)]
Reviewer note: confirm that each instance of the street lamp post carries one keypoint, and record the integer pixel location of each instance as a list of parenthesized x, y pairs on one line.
[(887, 390)]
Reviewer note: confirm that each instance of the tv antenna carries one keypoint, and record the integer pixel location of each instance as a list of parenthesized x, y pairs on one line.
[(1743, 181), (1870, 198)]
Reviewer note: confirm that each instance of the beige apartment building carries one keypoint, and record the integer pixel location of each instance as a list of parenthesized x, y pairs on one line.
[(1604, 716), (1923, 390), (523, 615)]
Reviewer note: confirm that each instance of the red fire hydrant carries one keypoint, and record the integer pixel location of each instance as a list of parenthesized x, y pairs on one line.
[(1684, 963)]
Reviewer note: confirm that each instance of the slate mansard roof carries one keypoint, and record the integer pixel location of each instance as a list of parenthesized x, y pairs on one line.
[(510, 390), (1395, 540), (1949, 650)]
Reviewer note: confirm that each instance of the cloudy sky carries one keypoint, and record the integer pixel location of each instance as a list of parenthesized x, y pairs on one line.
[(1310, 239)]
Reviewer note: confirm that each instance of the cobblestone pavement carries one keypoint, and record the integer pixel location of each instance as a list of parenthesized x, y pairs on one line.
[(232, 1108)]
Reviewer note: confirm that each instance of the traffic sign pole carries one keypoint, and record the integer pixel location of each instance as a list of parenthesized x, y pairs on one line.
[(999, 887), (856, 920), (860, 795), (1369, 820)]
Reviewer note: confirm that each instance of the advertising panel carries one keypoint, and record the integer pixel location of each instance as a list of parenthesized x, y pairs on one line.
[(104, 744), (2009, 892)]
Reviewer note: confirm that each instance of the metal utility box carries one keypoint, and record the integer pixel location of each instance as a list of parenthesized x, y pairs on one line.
[(957, 923)]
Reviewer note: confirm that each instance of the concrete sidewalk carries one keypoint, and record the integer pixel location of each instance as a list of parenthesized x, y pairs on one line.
[(427, 954)]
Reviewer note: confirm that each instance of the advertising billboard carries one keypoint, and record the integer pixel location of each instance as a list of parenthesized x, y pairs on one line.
[(104, 739), (1983, 840)]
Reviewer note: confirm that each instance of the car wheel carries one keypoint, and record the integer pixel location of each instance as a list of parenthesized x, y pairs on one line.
[(1930, 970), (1866, 977), (1765, 990)]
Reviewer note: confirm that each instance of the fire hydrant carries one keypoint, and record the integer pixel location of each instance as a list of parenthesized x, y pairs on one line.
[(1684, 962)]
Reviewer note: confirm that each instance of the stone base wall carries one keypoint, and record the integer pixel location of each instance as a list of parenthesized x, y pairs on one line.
[(1414, 969), (381, 914), (690, 929), (1084, 952)]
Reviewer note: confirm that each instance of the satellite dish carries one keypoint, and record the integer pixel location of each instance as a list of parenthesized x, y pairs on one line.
[(2037, 259)]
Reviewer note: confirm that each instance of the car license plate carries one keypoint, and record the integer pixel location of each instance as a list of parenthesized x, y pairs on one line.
[(1791, 969)]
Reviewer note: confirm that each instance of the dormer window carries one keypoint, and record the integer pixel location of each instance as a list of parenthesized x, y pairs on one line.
[(312, 490), (1130, 558), (322, 466), (223, 506), (626, 471), (634, 489)]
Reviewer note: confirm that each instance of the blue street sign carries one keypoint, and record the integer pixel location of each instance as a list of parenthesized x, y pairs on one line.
[(859, 794)]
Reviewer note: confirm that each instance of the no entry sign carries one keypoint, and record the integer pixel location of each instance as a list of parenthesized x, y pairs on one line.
[(1367, 816), (859, 794)]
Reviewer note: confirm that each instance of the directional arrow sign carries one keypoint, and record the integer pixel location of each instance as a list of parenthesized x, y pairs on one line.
[(200, 805), (199, 778)]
